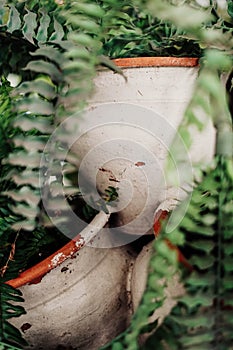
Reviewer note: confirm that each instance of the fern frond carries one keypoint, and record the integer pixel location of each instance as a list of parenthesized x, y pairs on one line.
[(133, 32), (4, 346), (203, 317), (9, 297), (56, 81), (21, 183), (29, 147), (24, 27)]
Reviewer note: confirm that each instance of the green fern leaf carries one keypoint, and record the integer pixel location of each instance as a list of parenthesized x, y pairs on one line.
[(40, 86), (230, 8), (30, 25), (35, 105), (203, 317), (8, 333), (58, 33), (31, 142), (42, 33), (49, 52), (23, 158), (27, 123), (14, 22), (40, 66), (4, 346)]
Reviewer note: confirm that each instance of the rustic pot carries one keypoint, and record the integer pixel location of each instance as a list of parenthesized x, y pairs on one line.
[(82, 299), (124, 137), (76, 298)]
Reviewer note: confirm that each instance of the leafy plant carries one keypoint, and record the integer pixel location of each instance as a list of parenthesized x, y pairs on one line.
[(136, 33), (203, 316), (9, 334)]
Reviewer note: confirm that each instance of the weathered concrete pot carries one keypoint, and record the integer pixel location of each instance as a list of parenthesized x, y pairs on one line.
[(124, 137), (78, 297), (83, 302)]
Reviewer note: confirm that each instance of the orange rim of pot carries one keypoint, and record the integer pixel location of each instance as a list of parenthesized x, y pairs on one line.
[(34, 274), (136, 62)]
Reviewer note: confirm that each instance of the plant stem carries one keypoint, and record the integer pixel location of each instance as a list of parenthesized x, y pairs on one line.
[(10, 257)]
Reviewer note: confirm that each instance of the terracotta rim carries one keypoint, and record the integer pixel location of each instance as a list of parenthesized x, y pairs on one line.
[(136, 62), (34, 274)]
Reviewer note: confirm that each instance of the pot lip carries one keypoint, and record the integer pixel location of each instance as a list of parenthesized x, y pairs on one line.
[(34, 274), (136, 62)]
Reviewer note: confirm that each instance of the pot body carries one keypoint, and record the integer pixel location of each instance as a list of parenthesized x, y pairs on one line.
[(124, 138), (80, 304), (122, 141)]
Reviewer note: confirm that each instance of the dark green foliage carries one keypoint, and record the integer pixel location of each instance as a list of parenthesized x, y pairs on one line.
[(230, 7), (7, 132), (9, 297), (23, 27), (136, 33), (12, 178), (203, 317), (56, 66), (4, 346)]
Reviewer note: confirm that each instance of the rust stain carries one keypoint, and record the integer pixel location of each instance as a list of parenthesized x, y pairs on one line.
[(105, 170), (115, 180), (64, 269), (160, 216), (112, 177), (139, 164), (36, 280), (25, 327), (79, 241)]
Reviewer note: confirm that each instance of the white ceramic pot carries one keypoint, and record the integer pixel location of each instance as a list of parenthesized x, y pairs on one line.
[(122, 141), (124, 137), (81, 304)]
